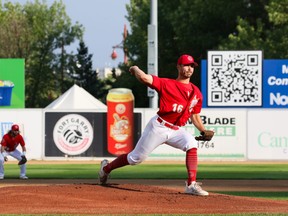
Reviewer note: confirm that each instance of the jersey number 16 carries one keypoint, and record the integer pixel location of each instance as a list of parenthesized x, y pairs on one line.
[(177, 108)]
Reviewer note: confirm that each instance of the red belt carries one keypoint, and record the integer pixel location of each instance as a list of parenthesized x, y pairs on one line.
[(166, 124)]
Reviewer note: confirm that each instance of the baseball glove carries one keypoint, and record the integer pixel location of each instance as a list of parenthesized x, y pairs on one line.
[(206, 135), (23, 160)]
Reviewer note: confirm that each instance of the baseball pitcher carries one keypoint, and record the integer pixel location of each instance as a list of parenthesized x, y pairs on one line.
[(179, 101)]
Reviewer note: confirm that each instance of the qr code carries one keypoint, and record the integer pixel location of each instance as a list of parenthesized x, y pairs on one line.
[(234, 78)]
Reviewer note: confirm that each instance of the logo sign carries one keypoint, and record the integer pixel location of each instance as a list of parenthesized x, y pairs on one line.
[(73, 134), (275, 84), (234, 78), (265, 141)]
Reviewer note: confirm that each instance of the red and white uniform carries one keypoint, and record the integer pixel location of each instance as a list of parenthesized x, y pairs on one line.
[(163, 128), (10, 145), (174, 97)]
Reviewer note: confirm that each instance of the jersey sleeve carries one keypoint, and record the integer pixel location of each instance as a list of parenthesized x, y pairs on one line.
[(156, 84)]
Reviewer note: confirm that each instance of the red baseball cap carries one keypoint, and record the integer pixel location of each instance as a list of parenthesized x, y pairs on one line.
[(15, 127), (186, 60)]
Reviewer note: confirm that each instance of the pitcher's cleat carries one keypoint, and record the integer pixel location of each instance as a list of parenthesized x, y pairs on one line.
[(103, 176), (195, 189)]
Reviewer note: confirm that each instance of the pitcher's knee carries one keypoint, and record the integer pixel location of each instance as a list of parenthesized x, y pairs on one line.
[(134, 159)]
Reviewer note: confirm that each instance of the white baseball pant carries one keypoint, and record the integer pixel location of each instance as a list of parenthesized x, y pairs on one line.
[(15, 154), (156, 134)]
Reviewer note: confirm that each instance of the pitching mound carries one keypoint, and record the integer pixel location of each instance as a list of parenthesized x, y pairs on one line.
[(92, 198)]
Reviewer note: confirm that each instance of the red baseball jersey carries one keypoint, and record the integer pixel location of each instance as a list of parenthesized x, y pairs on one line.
[(11, 143), (174, 99)]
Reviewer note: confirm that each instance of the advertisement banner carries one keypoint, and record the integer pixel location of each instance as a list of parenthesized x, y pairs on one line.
[(80, 134), (70, 134), (12, 83), (267, 134), (120, 121), (229, 141), (275, 84)]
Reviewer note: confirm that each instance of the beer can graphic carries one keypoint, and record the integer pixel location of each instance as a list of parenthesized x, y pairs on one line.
[(120, 120)]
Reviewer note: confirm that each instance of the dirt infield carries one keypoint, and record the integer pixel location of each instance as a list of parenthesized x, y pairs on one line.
[(78, 196)]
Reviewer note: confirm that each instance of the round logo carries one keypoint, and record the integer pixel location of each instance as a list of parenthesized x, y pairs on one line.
[(73, 134), (120, 108)]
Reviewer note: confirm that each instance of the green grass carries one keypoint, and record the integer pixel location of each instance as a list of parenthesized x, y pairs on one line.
[(152, 171), (208, 171)]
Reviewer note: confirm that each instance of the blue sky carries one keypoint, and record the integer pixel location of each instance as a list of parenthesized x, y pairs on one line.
[(103, 21)]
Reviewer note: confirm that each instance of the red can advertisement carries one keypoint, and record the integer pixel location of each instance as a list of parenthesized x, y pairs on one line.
[(120, 105)]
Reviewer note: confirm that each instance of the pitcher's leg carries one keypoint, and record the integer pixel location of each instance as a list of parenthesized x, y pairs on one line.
[(120, 161), (150, 139), (146, 144), (185, 141), (181, 139), (191, 165)]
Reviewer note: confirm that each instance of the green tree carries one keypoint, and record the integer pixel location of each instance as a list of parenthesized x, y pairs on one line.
[(278, 41), (39, 34), (184, 26), (81, 71), (15, 33), (269, 36)]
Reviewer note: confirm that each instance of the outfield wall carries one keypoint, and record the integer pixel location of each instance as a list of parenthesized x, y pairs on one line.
[(241, 134)]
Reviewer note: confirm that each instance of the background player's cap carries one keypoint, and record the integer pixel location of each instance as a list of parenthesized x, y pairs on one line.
[(186, 60), (15, 127)]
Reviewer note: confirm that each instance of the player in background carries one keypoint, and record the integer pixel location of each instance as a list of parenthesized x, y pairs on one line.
[(9, 144), (179, 101)]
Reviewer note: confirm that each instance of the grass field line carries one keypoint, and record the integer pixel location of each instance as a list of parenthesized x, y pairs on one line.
[(152, 161)]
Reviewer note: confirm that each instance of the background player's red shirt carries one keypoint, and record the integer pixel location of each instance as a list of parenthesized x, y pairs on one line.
[(10, 143), (174, 97)]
